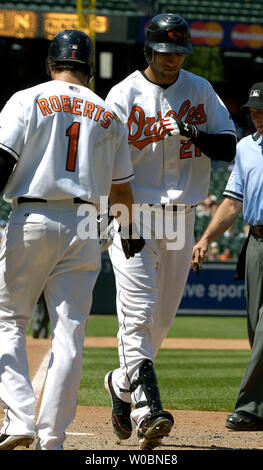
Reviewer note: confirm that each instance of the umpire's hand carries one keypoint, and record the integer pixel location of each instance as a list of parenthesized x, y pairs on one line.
[(198, 254)]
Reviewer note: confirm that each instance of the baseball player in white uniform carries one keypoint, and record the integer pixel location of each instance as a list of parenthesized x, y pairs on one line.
[(176, 124), (64, 149)]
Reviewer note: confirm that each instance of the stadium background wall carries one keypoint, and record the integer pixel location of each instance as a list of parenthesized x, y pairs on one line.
[(231, 67), (212, 292)]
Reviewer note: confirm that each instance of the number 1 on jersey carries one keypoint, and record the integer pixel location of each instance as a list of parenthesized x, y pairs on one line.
[(73, 134)]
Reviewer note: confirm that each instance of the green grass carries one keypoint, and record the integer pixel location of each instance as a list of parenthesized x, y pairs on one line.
[(199, 380), (102, 325), (208, 327), (183, 327)]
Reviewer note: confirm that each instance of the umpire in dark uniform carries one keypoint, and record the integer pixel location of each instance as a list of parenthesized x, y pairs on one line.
[(244, 191)]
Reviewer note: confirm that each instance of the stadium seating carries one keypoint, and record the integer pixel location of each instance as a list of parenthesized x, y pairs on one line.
[(248, 11), (218, 180), (4, 209), (215, 10)]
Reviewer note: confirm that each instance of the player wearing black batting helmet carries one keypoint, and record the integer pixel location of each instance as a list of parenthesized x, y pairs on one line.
[(71, 46), (167, 32), (183, 112), (55, 138)]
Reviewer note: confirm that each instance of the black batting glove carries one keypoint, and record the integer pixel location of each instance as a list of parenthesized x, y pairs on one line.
[(131, 245), (173, 126)]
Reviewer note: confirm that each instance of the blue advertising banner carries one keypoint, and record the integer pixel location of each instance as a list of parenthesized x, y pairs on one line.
[(212, 292), (221, 34)]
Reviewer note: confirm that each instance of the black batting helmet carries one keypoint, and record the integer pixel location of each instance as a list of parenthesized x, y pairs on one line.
[(72, 46), (167, 32)]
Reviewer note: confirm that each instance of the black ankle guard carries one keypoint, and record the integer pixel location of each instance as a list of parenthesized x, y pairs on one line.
[(148, 380)]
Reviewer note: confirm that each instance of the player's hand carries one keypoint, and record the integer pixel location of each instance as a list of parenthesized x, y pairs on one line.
[(131, 241), (198, 254), (105, 230), (173, 126), (130, 246)]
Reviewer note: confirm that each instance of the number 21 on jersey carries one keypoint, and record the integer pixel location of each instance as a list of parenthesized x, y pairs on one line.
[(186, 152)]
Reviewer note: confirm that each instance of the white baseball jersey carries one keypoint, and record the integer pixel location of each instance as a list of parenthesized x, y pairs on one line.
[(77, 127), (67, 144), (170, 170)]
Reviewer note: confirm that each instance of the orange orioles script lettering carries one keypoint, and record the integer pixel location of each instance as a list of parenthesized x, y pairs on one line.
[(75, 106), (142, 129)]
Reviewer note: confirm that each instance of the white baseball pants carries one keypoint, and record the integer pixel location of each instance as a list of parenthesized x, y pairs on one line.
[(149, 290), (41, 251)]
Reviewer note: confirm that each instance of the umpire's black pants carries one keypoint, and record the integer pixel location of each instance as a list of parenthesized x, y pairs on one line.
[(250, 396)]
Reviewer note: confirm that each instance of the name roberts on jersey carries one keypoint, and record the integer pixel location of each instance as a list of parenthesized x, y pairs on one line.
[(76, 106), (71, 122)]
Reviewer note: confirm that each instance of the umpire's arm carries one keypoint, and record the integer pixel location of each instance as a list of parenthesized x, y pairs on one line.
[(223, 218)]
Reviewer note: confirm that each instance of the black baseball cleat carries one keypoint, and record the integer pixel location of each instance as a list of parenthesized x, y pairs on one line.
[(10, 442), (243, 421), (121, 410), (153, 428)]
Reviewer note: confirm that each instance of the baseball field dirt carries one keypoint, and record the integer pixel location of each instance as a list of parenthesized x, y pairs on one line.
[(193, 430)]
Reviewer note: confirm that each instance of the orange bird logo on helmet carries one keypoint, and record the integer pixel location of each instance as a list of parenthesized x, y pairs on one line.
[(174, 35)]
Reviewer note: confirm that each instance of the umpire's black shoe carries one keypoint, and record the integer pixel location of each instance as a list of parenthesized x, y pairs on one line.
[(153, 428), (243, 421), (121, 410)]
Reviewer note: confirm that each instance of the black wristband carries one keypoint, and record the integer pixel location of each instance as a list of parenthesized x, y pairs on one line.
[(216, 146), (190, 131)]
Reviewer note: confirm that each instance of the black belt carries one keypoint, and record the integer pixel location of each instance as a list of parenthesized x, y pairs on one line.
[(174, 206), (76, 200), (257, 230)]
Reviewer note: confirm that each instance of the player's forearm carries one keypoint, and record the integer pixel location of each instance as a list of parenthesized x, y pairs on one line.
[(216, 146), (223, 218), (121, 202), (7, 163)]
